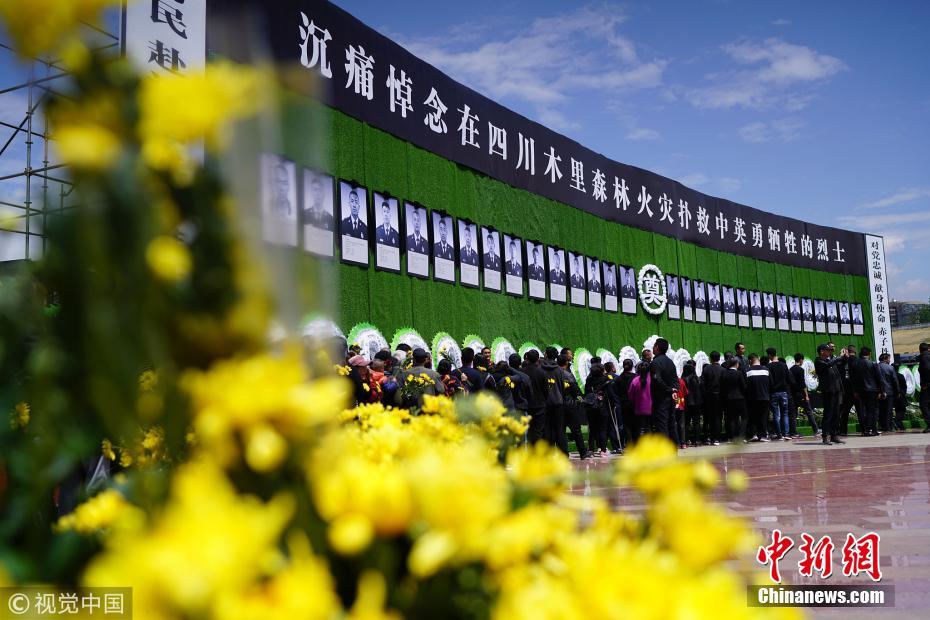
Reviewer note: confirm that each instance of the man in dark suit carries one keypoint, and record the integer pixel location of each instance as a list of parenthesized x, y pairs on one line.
[(806, 310), (514, 268), (714, 294), (386, 235), (831, 387), (768, 304), (756, 304), (629, 286), (492, 260), (868, 389), (818, 309), (728, 305), (353, 226), (556, 274), (857, 314), (844, 313), (664, 383), (442, 248), (686, 291), (610, 283), (594, 284), (795, 311), (671, 283), (537, 271), (699, 301), (281, 203), (315, 214), (782, 307), (468, 253), (417, 242), (577, 274)]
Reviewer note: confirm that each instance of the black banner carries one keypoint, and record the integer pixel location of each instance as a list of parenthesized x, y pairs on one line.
[(371, 78)]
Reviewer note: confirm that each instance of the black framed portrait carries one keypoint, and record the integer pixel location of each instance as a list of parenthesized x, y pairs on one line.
[(576, 279), (443, 247), (609, 271), (687, 307), (833, 322), (536, 269), (558, 275), (353, 223), (387, 235), (416, 234), (595, 288), (469, 256), (714, 302), (317, 208), (729, 305), (279, 199), (858, 322), (794, 309), (672, 296), (491, 263), (807, 313), (627, 289), (699, 289), (513, 265)]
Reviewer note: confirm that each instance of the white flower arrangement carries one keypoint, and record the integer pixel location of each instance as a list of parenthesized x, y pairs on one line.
[(654, 298)]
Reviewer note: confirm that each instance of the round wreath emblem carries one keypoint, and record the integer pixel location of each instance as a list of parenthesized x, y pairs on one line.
[(652, 292)]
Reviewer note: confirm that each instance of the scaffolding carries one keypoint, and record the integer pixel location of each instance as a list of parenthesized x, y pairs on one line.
[(33, 184)]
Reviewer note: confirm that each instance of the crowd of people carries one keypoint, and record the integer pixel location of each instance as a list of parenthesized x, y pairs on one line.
[(734, 398)]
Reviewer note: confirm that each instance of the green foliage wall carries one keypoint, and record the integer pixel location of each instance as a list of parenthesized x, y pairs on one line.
[(382, 162)]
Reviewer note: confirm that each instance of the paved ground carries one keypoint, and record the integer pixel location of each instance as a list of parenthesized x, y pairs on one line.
[(879, 484)]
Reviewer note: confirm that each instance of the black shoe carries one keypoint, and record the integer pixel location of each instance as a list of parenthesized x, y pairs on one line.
[(836, 440), (926, 430), (616, 451), (827, 442), (585, 456)]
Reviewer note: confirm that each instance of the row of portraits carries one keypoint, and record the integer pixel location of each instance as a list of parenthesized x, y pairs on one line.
[(695, 300), (369, 224)]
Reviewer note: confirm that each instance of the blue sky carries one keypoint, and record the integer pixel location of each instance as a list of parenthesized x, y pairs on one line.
[(820, 111)]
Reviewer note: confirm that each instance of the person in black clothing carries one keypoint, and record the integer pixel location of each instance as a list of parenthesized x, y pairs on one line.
[(622, 390), (538, 393), (867, 389), (799, 394), (923, 369), (741, 356), (827, 368), (555, 401), (506, 384), (522, 393), (849, 398), (733, 394), (759, 399), (713, 412), (778, 393), (694, 404), (474, 371), (615, 430), (664, 382), (900, 403), (571, 394), (595, 398), (890, 388)]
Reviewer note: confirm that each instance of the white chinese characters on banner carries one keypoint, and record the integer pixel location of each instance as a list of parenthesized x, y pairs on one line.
[(878, 290), (169, 36)]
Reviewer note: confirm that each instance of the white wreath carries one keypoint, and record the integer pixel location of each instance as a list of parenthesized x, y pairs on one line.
[(664, 299)]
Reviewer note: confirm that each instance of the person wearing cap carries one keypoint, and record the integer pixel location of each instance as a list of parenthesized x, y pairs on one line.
[(831, 387), (420, 358), (364, 389)]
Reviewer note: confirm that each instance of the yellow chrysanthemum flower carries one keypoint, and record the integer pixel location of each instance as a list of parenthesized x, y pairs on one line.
[(168, 258)]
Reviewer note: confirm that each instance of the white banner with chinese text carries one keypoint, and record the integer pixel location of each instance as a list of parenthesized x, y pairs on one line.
[(878, 291)]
